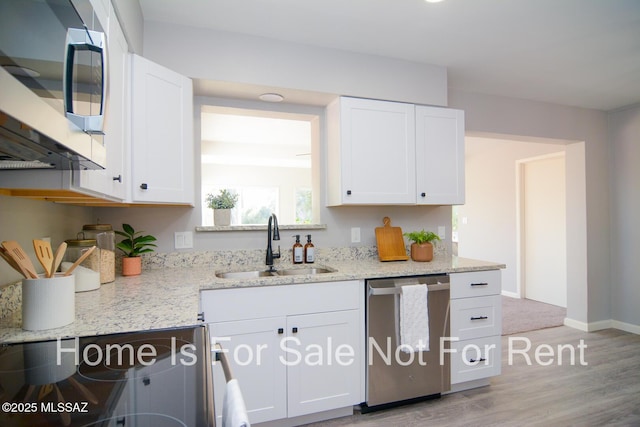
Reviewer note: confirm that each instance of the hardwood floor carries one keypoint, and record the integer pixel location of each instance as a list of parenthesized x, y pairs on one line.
[(605, 392)]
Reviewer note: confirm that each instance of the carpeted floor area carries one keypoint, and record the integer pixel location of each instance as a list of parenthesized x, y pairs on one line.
[(522, 315)]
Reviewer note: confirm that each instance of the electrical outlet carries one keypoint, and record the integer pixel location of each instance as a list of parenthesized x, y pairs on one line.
[(442, 233), (355, 234), (183, 239)]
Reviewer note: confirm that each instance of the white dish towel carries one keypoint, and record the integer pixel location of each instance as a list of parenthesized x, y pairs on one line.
[(414, 318), (234, 412)]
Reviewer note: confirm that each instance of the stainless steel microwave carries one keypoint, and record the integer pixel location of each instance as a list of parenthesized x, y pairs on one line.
[(53, 85)]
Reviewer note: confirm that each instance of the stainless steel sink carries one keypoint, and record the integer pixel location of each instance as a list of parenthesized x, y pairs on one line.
[(254, 274), (304, 271), (245, 274)]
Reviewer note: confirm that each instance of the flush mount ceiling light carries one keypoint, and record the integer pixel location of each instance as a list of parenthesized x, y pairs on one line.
[(271, 97), (433, 1)]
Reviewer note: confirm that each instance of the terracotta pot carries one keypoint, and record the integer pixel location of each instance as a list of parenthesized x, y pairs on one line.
[(131, 266), (222, 216), (422, 252)]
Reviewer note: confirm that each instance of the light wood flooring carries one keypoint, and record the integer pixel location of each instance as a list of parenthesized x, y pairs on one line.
[(606, 392)]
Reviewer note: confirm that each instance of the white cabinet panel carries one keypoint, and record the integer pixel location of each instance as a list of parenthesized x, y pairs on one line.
[(439, 156), (112, 181), (476, 317), (392, 153), (476, 322), (301, 351), (325, 358), (162, 149), (475, 359), (476, 283), (255, 358)]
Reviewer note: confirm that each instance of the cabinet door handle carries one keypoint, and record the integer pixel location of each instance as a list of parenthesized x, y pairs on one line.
[(146, 381), (423, 194), (294, 330), (280, 331), (479, 317), (201, 316), (144, 186), (348, 192), (482, 359), (479, 284), (121, 421), (118, 178)]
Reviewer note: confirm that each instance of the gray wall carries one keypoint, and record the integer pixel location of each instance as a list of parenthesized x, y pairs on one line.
[(588, 243), (625, 211)]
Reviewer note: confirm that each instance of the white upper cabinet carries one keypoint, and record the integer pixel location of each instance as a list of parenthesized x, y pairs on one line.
[(391, 153), (112, 180), (439, 156), (371, 152), (162, 147)]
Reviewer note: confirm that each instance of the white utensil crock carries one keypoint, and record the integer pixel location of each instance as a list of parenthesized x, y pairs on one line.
[(48, 303)]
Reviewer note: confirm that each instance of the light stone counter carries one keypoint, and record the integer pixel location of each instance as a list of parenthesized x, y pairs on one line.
[(166, 295)]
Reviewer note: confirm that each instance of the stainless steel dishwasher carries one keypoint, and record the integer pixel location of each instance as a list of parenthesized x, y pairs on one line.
[(392, 377)]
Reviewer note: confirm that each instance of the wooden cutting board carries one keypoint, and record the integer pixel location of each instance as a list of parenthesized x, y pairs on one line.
[(390, 242)]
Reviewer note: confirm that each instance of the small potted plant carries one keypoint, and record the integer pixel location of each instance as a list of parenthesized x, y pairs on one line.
[(422, 248), (133, 245), (222, 203)]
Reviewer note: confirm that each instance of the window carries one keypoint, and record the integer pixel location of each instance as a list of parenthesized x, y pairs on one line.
[(264, 157)]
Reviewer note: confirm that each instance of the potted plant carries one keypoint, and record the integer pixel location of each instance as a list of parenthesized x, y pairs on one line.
[(222, 203), (422, 248), (133, 245)]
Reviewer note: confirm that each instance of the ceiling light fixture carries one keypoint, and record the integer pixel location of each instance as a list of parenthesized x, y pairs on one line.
[(433, 1), (271, 97)]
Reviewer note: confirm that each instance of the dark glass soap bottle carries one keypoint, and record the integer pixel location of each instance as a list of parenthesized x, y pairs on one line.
[(298, 251), (309, 251)]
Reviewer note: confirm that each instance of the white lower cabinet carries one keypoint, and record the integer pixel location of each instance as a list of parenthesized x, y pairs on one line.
[(296, 350), (476, 328)]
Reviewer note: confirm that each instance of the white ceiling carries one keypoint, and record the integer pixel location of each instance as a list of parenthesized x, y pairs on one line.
[(574, 52)]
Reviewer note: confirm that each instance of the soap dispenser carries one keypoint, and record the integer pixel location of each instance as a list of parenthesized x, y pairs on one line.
[(298, 251), (309, 251)]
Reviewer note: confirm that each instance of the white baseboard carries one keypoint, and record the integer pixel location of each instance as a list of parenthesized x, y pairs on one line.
[(627, 327), (511, 294), (602, 324)]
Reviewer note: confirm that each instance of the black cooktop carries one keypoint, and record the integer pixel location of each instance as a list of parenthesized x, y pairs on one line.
[(151, 378)]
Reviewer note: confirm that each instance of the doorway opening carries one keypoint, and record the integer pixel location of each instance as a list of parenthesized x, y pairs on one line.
[(487, 226)]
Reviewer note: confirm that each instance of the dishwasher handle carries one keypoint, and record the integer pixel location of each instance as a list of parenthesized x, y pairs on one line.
[(396, 290)]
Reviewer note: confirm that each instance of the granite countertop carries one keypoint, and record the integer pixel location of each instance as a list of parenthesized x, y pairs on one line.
[(168, 297)]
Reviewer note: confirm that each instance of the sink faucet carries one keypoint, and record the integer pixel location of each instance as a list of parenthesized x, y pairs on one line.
[(272, 225)]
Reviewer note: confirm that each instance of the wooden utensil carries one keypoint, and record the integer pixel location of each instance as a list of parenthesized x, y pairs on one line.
[(390, 242), (79, 260), (44, 255), (57, 259), (86, 393), (19, 255), (5, 255), (64, 415)]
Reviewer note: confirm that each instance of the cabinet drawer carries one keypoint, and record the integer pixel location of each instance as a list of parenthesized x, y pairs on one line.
[(475, 359), (476, 317), (224, 305), (475, 283)]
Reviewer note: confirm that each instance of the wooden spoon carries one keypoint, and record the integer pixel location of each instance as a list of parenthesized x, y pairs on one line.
[(58, 257), (12, 262), (19, 255), (44, 255), (64, 415), (79, 260)]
